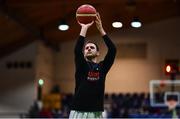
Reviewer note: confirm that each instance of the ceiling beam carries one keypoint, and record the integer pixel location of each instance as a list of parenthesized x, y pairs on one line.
[(35, 32), (14, 46), (15, 17)]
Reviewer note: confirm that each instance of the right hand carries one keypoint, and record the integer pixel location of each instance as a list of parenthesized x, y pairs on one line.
[(84, 28), (86, 25)]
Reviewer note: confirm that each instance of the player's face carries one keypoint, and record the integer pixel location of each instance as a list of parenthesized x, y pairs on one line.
[(90, 50)]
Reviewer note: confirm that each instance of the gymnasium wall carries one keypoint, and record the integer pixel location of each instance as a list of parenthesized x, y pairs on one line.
[(17, 89), (45, 66)]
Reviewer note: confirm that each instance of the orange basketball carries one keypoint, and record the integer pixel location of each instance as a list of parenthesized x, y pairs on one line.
[(86, 14)]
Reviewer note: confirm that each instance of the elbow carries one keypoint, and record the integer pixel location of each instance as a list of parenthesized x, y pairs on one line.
[(112, 51), (76, 50)]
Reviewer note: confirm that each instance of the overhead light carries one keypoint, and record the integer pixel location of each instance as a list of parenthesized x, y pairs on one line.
[(136, 23), (117, 24), (63, 26)]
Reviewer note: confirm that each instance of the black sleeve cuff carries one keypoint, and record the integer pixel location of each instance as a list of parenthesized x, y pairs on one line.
[(81, 37), (105, 36)]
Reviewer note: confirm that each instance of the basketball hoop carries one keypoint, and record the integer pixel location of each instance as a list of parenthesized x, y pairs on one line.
[(171, 104)]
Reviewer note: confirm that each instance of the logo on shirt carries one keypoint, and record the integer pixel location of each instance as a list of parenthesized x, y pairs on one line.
[(93, 76)]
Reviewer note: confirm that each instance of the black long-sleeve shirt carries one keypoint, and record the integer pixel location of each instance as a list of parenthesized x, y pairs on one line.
[(90, 78)]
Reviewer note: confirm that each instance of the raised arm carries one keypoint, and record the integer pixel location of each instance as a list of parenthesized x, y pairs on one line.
[(110, 56), (111, 53), (78, 51)]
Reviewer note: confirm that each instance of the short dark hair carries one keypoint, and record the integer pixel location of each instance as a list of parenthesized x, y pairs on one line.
[(92, 43)]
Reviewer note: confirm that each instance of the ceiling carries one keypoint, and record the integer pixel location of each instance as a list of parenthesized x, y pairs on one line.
[(23, 21)]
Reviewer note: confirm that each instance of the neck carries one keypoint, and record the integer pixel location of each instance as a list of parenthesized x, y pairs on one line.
[(90, 59)]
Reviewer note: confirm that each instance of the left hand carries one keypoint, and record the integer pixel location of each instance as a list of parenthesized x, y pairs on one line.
[(84, 28), (99, 24)]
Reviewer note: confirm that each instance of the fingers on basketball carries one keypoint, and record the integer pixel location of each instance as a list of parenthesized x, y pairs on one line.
[(98, 17)]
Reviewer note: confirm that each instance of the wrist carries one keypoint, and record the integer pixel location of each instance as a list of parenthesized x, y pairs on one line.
[(83, 31), (102, 32), (84, 28)]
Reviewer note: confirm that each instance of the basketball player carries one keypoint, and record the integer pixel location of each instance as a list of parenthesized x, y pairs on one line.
[(90, 75)]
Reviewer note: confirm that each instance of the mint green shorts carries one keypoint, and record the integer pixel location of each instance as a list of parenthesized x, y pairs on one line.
[(84, 115)]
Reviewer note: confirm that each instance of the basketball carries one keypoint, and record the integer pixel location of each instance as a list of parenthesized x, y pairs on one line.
[(86, 14)]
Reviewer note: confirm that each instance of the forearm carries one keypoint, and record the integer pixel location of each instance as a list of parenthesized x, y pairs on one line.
[(78, 52), (79, 45), (83, 31), (110, 56), (109, 43), (102, 32), (79, 56), (100, 28)]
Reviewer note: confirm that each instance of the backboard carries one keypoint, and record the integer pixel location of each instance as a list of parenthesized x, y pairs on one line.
[(162, 90)]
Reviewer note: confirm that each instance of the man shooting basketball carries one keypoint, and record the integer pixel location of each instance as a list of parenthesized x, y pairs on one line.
[(90, 75)]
